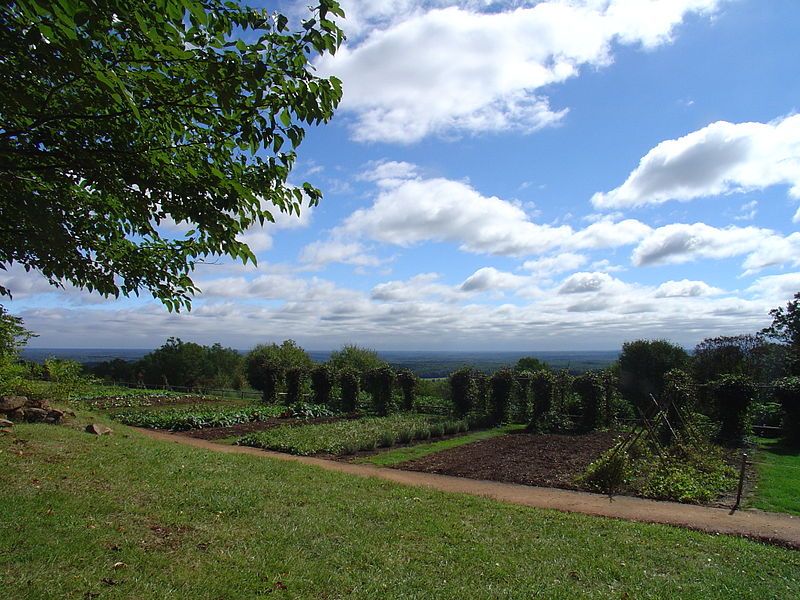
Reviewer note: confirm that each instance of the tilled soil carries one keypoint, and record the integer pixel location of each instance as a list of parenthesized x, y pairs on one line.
[(548, 460)]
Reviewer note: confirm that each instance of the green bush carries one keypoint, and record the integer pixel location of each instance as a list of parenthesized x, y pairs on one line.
[(294, 385), (322, 384), (521, 405), (501, 385), (350, 384), (608, 474), (642, 367), (380, 383), (462, 391), (787, 393), (542, 384), (591, 389), (698, 476), (733, 395), (680, 394), (408, 385)]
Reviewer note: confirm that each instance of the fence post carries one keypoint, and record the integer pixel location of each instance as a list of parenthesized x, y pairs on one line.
[(741, 482)]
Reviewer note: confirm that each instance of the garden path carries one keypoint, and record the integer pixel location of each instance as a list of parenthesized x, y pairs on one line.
[(773, 528)]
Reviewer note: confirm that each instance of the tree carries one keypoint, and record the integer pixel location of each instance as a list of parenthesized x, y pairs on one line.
[(277, 358), (119, 118), (642, 367), (530, 363), (351, 356), (730, 355), (785, 328), (13, 335)]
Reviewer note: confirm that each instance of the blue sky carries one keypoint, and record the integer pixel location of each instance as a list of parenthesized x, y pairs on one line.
[(546, 175)]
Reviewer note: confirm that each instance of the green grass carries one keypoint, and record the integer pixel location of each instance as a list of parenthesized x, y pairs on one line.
[(188, 523), (778, 487), (401, 455), (350, 436)]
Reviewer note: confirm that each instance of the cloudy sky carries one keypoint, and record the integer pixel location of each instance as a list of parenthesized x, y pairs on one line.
[(553, 175)]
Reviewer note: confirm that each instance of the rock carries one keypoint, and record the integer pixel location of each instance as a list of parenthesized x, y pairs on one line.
[(12, 403), (17, 415), (6, 423), (34, 415), (37, 403), (54, 415), (98, 429)]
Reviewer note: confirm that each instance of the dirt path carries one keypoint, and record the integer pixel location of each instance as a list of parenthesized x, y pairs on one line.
[(774, 528)]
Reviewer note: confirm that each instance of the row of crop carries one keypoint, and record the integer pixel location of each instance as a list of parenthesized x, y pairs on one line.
[(350, 436), (181, 419)]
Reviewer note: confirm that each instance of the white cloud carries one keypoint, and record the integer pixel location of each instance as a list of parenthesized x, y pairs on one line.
[(552, 265), (796, 218), (721, 158), (681, 242), (582, 283), (685, 289), (408, 212), (776, 289), (318, 254), (491, 279), (417, 289), (457, 69), (388, 173)]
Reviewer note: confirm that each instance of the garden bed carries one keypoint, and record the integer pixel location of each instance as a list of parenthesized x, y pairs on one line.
[(240, 429), (548, 460), (350, 437)]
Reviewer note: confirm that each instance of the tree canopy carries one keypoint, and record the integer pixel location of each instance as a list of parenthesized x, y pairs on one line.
[(13, 334), (643, 365), (785, 328), (137, 138)]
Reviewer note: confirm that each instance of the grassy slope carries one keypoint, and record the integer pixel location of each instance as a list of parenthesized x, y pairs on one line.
[(400, 455), (195, 524), (778, 486)]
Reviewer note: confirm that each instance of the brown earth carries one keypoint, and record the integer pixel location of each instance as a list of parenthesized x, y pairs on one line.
[(548, 460)]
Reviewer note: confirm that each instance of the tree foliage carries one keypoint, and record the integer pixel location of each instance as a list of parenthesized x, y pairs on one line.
[(187, 364), (13, 334), (530, 363), (118, 119), (351, 356), (785, 328), (642, 367)]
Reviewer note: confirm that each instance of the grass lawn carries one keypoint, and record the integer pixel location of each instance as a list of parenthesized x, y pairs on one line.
[(183, 523), (778, 487), (400, 455)]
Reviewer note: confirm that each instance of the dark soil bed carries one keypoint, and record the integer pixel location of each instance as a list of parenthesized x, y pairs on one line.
[(548, 460), (217, 433)]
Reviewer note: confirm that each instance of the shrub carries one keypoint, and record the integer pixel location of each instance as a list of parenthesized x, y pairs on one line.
[(591, 390), (542, 383), (386, 439), (265, 366), (687, 476), (294, 385), (520, 409), (462, 391), (642, 367), (680, 393), (408, 385), (501, 384), (404, 436), (609, 473), (380, 383), (437, 430), (322, 384), (787, 393), (350, 386), (732, 395)]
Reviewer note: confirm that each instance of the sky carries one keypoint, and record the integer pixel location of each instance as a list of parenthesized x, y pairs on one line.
[(553, 175)]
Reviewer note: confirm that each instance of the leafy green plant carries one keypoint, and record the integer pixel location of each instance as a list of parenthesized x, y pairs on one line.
[(341, 436), (381, 380), (787, 393), (408, 385), (322, 384), (349, 383), (733, 395), (180, 419), (306, 410), (609, 473), (294, 385), (501, 384), (542, 384), (591, 389), (462, 391)]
